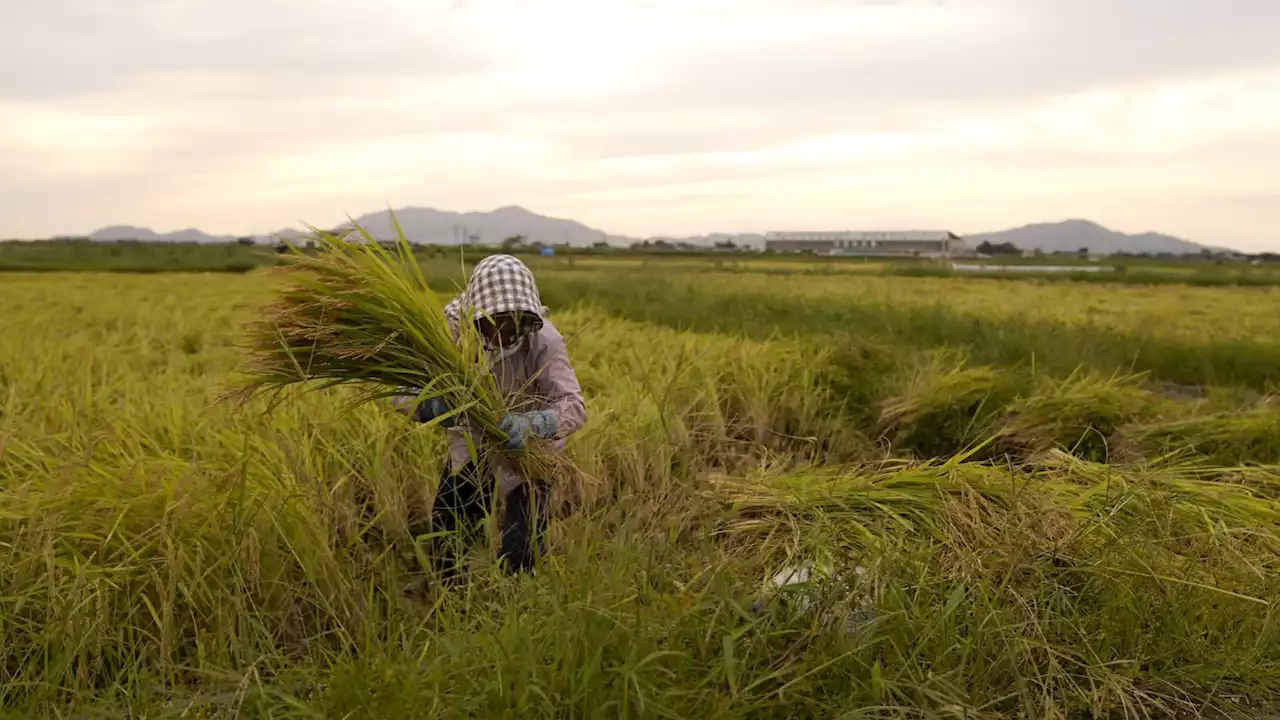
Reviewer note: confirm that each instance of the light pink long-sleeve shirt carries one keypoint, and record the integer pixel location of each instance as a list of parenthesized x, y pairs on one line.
[(536, 376), (542, 363)]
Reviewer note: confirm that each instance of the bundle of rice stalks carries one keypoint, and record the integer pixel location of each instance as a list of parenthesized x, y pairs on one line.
[(945, 406), (1195, 496), (359, 314), (900, 499), (1230, 438), (1080, 413), (906, 500)]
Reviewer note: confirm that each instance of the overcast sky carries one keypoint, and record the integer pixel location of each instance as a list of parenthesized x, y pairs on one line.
[(645, 117)]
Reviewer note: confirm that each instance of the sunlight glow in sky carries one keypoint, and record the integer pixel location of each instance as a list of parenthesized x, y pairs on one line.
[(645, 117)]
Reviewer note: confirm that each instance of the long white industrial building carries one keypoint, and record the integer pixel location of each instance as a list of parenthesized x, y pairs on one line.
[(849, 242)]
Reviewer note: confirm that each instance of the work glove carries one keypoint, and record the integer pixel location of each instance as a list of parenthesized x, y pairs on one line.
[(519, 427), (425, 411), (432, 408)]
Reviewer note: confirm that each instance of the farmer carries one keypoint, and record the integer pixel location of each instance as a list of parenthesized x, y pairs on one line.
[(528, 358)]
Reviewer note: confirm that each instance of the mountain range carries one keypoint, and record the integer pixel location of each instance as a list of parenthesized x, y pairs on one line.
[(141, 234), (427, 225), (1074, 235), (441, 227)]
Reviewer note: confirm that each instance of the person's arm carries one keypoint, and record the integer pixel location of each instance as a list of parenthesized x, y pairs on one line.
[(557, 382)]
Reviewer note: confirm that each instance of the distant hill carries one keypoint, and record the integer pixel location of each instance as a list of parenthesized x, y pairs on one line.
[(124, 232), (193, 235), (127, 232), (1072, 235), (420, 225), (441, 227)]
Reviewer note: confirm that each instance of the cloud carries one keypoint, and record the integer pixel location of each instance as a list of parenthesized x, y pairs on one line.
[(82, 47), (640, 117)]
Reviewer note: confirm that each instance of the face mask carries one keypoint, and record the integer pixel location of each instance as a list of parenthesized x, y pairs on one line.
[(502, 353)]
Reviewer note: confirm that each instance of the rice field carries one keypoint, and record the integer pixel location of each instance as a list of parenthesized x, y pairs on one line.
[(1003, 499)]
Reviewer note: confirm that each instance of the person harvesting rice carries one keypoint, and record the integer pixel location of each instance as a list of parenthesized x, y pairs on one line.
[(488, 366), (530, 362)]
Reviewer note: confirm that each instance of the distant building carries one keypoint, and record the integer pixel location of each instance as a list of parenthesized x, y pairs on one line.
[(908, 242)]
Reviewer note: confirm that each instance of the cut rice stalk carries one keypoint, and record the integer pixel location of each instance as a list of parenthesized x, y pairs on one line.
[(361, 315)]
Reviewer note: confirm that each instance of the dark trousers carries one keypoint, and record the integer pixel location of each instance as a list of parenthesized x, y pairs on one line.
[(464, 499)]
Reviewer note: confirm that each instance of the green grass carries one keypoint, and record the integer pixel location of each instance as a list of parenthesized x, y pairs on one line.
[(163, 555), (929, 320), (64, 256), (1115, 274)]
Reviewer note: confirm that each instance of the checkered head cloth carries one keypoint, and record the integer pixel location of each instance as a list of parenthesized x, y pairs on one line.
[(498, 284)]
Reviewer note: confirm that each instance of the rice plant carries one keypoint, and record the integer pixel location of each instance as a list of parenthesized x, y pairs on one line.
[(163, 555)]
